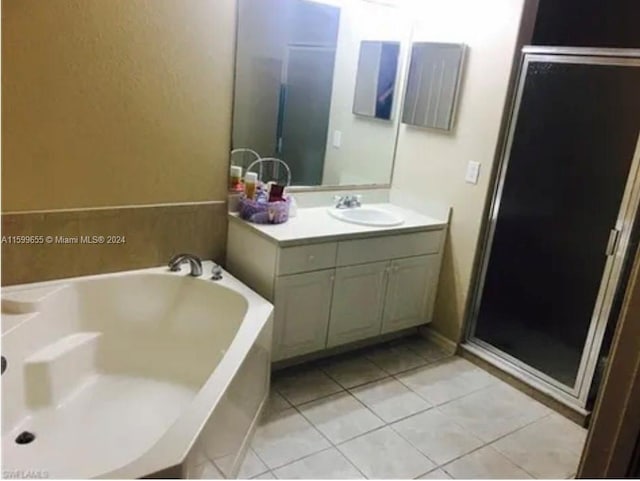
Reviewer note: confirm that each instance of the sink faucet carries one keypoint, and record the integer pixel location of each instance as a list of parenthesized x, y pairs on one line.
[(348, 201), (194, 261)]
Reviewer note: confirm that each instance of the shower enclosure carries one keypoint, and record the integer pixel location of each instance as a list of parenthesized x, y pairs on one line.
[(561, 219)]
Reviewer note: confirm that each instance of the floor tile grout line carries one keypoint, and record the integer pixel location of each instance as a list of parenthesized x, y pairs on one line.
[(323, 396), (390, 424), (489, 443), (262, 474), (387, 425), (357, 385), (403, 345), (337, 446), (275, 468), (403, 417), (457, 398), (274, 389), (271, 469), (496, 381), (354, 437), (452, 421), (331, 443), (257, 456), (296, 407), (386, 377), (417, 448), (314, 365), (308, 456), (426, 363), (513, 432), (388, 373), (430, 363), (484, 445), (431, 471)]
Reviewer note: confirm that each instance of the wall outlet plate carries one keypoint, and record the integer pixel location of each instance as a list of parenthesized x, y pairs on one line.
[(473, 172), (337, 139)]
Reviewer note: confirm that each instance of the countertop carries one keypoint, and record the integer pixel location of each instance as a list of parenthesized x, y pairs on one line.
[(316, 224)]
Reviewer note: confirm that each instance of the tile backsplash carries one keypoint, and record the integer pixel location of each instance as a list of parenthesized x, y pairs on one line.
[(68, 243)]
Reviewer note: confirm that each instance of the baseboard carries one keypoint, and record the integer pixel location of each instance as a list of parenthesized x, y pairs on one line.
[(434, 336)]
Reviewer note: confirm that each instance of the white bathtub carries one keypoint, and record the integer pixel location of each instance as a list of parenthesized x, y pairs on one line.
[(138, 374)]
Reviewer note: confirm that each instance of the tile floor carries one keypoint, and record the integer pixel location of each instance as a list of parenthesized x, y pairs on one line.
[(406, 410)]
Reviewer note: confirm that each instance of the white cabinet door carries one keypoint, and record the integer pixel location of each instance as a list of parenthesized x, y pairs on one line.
[(358, 297), (302, 305), (411, 289)]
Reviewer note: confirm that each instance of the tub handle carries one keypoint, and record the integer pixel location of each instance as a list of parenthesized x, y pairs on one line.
[(216, 272)]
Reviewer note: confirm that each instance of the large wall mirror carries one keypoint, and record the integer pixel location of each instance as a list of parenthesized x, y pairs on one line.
[(319, 85)]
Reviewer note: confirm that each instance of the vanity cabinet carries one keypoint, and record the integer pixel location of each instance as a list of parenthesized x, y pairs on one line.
[(337, 291), (301, 314), (411, 290), (358, 299)]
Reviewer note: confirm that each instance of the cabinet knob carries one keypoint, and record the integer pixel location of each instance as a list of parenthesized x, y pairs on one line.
[(332, 278), (312, 258)]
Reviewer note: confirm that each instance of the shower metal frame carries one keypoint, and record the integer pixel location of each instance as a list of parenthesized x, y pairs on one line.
[(575, 397)]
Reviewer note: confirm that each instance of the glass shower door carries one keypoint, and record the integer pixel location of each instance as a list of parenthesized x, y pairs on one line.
[(563, 181)]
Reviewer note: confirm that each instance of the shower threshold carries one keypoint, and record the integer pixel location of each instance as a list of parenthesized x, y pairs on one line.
[(549, 391)]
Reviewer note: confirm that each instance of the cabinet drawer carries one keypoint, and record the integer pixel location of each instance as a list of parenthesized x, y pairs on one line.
[(388, 247), (307, 258)]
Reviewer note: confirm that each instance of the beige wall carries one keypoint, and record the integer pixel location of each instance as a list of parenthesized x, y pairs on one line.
[(368, 145), (115, 102), (110, 103), (430, 166)]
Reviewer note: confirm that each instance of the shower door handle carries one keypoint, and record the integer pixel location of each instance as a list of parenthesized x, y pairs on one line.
[(612, 244)]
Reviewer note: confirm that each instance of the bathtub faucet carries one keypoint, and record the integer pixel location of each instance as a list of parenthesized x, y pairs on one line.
[(194, 261)]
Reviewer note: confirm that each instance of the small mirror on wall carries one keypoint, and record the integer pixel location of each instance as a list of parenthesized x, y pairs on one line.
[(433, 84), (376, 79)]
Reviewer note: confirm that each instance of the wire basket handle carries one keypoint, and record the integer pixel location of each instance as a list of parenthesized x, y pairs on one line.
[(271, 159), (244, 150)]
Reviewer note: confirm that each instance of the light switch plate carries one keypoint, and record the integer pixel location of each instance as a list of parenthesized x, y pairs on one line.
[(337, 138), (473, 172)]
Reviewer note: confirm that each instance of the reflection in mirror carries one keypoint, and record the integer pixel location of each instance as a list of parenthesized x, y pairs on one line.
[(297, 66), (376, 79)]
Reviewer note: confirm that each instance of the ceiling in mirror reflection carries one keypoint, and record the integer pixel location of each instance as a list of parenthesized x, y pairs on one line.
[(318, 85)]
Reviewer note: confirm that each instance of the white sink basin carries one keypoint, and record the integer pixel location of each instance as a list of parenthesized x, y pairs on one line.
[(366, 216)]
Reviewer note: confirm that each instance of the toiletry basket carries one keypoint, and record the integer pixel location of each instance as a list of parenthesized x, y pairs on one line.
[(266, 212)]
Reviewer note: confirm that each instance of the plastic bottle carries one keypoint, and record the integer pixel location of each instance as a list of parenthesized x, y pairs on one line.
[(235, 176), (250, 184)]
